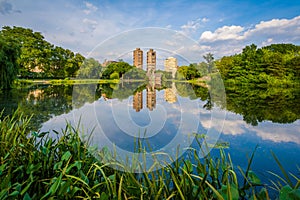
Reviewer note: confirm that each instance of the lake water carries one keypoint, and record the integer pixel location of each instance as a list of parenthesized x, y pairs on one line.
[(164, 117)]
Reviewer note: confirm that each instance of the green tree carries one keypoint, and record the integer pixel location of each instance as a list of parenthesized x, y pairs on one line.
[(90, 68), (39, 58), (187, 72), (209, 58), (9, 53), (119, 67), (224, 65), (294, 67), (73, 64), (35, 51), (135, 73), (114, 75), (276, 64)]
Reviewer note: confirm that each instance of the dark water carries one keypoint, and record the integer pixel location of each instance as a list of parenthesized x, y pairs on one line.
[(168, 116)]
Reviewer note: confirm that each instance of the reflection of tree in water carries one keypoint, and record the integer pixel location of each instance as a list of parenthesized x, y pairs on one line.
[(122, 90), (42, 102), (208, 105), (194, 92), (9, 100), (45, 101), (279, 105), (85, 93)]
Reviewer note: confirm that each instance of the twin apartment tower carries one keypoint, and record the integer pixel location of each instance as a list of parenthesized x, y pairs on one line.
[(151, 60), (170, 63)]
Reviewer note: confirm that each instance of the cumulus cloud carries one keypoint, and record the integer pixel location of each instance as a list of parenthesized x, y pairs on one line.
[(275, 29), (228, 40), (223, 33), (279, 29)]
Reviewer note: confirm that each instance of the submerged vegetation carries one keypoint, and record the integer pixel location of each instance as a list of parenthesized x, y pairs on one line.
[(39, 166)]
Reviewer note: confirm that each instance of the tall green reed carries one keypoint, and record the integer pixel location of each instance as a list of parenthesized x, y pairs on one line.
[(36, 165)]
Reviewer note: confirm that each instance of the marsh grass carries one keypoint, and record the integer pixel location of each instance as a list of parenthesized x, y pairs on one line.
[(34, 165)]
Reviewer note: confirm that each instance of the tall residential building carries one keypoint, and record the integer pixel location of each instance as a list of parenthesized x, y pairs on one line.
[(151, 62), (138, 58), (138, 101), (171, 65)]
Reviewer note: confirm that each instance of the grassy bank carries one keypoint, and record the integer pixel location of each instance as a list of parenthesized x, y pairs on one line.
[(67, 81), (36, 166)]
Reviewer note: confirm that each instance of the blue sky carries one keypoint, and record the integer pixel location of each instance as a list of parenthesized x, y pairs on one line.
[(220, 27)]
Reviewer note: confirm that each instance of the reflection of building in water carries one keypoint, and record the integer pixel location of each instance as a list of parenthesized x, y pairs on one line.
[(171, 65), (34, 95), (151, 62), (104, 96), (138, 101), (138, 58), (151, 98), (171, 94)]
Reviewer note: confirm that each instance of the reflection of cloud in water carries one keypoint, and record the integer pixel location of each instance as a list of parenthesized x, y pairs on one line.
[(235, 125), (84, 115), (57, 123), (279, 132)]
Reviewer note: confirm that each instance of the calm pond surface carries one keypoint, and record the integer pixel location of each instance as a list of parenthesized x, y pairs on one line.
[(171, 115)]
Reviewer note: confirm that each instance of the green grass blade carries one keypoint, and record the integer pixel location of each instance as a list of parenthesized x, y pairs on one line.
[(287, 178), (120, 188), (177, 185)]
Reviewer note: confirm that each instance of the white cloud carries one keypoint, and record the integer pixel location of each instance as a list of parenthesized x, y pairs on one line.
[(89, 8), (275, 27), (285, 30), (268, 42), (223, 33), (228, 40), (193, 25)]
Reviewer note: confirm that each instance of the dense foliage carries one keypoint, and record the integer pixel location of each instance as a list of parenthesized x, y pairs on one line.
[(9, 53), (90, 68), (123, 70), (187, 72), (39, 58), (277, 64)]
